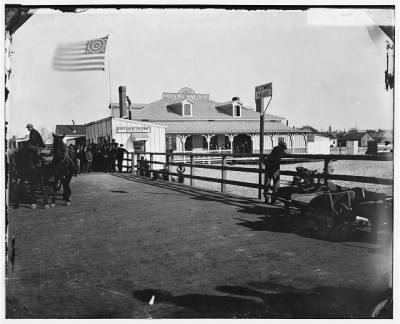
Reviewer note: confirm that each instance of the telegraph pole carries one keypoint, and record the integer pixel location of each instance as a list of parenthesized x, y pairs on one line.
[(262, 92)]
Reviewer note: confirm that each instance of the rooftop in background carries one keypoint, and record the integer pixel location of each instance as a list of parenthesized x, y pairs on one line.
[(203, 108), (353, 136), (69, 130), (382, 135)]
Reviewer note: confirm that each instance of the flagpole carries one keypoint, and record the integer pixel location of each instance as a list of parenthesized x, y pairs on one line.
[(109, 71)]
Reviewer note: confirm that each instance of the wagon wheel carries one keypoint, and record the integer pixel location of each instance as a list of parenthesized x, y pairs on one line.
[(342, 222), (321, 220), (334, 225)]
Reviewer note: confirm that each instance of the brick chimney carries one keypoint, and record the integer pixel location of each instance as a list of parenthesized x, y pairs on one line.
[(122, 101)]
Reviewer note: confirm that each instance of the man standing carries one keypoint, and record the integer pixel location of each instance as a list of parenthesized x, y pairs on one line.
[(74, 158), (89, 159), (35, 139), (272, 170), (120, 156), (113, 155)]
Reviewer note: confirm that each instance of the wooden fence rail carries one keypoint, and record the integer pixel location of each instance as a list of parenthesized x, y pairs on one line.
[(191, 162)]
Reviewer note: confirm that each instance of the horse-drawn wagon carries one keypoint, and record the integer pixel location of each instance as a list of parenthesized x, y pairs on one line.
[(334, 212)]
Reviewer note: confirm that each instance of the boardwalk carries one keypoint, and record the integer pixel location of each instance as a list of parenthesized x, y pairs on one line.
[(196, 254)]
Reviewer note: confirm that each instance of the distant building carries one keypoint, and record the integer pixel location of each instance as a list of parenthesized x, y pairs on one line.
[(333, 138), (382, 136), (195, 123), (16, 142), (362, 139), (74, 134), (318, 144)]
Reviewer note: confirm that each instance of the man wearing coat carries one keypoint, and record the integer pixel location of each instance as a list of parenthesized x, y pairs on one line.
[(272, 169), (35, 139)]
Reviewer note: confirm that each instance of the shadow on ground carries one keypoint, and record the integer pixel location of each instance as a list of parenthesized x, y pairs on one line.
[(267, 300), (273, 218)]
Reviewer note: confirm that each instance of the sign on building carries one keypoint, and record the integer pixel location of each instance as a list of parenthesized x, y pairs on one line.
[(181, 96), (133, 129), (263, 91)]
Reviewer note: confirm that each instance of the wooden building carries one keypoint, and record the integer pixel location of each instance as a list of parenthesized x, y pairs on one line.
[(195, 123), (135, 136), (362, 139), (73, 134)]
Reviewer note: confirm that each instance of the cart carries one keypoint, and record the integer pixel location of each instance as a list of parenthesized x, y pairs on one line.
[(327, 210), (329, 214)]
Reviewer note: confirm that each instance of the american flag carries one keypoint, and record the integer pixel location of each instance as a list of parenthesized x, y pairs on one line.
[(82, 56)]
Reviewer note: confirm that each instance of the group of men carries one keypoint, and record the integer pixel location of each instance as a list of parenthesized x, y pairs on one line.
[(94, 157), (97, 157)]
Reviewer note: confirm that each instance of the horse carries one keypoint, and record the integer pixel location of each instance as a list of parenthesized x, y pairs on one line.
[(48, 177), (27, 169)]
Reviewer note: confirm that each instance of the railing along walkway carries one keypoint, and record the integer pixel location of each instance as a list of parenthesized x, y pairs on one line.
[(191, 163)]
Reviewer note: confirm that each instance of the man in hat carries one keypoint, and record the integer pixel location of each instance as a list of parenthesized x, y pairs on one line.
[(35, 139), (272, 169), (120, 151)]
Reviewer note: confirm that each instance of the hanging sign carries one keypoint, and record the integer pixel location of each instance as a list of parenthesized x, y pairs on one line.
[(263, 91)]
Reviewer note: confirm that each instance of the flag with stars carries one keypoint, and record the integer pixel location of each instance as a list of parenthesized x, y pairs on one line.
[(81, 56)]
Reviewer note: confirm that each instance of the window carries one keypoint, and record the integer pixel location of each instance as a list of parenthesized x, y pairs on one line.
[(236, 111), (187, 109), (170, 142)]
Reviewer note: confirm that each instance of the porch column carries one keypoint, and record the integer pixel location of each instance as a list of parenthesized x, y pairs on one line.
[(183, 141), (208, 139), (231, 137), (252, 136), (291, 143), (305, 143)]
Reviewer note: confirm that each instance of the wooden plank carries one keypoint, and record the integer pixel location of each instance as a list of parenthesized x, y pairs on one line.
[(381, 157)]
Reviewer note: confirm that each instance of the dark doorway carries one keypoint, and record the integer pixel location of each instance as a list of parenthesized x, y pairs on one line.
[(242, 144)]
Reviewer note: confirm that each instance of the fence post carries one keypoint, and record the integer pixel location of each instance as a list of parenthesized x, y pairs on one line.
[(223, 173), (260, 182), (191, 169), (171, 160), (138, 166), (167, 161), (151, 164)]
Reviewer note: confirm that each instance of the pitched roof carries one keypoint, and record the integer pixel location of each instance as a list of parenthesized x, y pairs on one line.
[(353, 136), (330, 135), (224, 127), (68, 130), (382, 134), (202, 110)]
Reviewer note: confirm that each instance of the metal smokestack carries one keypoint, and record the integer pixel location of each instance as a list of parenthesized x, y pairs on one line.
[(129, 108), (122, 101)]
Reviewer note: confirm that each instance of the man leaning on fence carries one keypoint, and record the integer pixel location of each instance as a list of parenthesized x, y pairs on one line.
[(272, 170)]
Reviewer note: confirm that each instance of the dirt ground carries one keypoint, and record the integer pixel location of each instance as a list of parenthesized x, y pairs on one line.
[(130, 247)]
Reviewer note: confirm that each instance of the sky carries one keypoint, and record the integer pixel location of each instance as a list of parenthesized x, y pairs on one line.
[(326, 66)]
